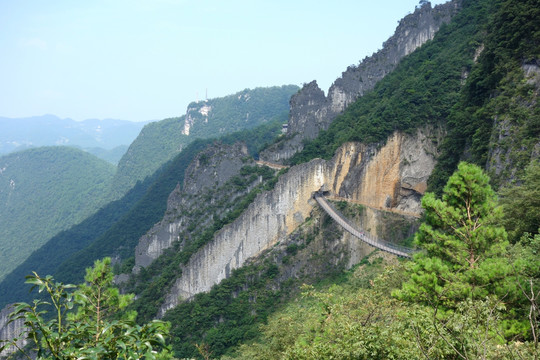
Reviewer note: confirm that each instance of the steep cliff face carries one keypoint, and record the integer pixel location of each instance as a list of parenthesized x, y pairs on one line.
[(211, 170), (392, 177), (311, 111), (11, 330)]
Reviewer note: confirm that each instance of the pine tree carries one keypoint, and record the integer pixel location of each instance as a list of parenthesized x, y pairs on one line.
[(463, 243)]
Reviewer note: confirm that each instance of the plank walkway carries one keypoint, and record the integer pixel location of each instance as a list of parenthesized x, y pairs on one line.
[(395, 211), (367, 238), (271, 165)]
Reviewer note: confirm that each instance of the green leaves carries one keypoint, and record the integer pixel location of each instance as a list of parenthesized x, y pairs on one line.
[(96, 330), (463, 242), (521, 204)]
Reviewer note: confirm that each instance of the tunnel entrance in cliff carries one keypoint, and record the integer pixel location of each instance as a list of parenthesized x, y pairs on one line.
[(323, 191)]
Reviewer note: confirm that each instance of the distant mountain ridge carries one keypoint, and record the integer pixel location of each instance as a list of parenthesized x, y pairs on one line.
[(49, 130)]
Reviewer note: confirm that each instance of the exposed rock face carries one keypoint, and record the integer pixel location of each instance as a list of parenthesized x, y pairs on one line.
[(11, 330), (195, 111), (392, 177), (311, 111), (307, 114), (212, 168), (314, 251)]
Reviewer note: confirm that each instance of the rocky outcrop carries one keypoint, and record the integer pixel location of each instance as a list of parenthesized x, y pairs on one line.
[(312, 112), (196, 111), (392, 176), (10, 330), (214, 166), (210, 170), (308, 111)]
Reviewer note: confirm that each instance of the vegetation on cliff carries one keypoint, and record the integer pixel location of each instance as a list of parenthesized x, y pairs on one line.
[(496, 92), (468, 79), (86, 321), (115, 229), (160, 141), (222, 206), (522, 204), (422, 90), (448, 303), (460, 300)]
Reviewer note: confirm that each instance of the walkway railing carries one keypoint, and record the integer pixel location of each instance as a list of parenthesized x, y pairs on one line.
[(367, 238)]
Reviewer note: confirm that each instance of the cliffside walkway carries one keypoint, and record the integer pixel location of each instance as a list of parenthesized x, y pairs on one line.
[(395, 211), (368, 239), (271, 165)]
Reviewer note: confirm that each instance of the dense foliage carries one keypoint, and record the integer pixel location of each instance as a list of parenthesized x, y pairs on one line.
[(244, 110), (421, 90), (113, 155), (65, 244), (496, 92), (463, 244), (157, 143), (44, 191), (521, 204), (116, 228), (448, 305), (85, 323)]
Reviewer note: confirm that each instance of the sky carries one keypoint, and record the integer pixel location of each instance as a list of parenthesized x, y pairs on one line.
[(144, 60)]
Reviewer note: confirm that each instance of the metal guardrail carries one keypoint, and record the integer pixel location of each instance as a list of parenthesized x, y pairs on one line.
[(367, 238)]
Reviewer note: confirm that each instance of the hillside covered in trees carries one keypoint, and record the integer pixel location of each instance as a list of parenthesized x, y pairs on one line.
[(44, 191), (469, 98), (160, 141)]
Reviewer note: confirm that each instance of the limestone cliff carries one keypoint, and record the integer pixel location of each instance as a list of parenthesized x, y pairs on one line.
[(11, 330), (389, 177), (311, 111), (210, 170)]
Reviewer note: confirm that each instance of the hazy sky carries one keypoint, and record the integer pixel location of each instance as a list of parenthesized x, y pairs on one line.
[(147, 59)]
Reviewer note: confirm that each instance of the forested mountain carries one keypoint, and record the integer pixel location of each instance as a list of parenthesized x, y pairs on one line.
[(156, 144), (115, 229), (113, 155), (161, 141), (44, 191), (243, 263), (98, 137)]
